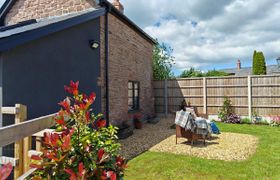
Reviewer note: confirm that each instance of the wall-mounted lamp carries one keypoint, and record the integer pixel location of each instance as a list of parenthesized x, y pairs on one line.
[(94, 44)]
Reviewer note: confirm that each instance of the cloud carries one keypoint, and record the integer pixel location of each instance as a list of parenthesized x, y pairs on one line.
[(205, 34)]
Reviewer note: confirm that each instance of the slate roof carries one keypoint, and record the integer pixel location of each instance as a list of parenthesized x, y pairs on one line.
[(270, 69), (19, 34), (22, 34), (48, 21)]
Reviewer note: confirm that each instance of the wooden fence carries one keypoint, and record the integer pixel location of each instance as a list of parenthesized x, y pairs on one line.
[(20, 133), (249, 94)]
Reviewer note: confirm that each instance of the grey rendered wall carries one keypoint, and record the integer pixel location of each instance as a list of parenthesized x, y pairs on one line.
[(34, 74)]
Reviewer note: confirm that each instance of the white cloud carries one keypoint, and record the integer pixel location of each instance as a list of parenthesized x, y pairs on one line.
[(1, 2), (226, 30)]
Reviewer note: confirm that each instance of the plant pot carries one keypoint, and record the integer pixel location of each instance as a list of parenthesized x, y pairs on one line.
[(138, 124)]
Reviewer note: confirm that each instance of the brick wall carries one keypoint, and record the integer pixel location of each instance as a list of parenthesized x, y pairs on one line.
[(38, 9), (130, 58)]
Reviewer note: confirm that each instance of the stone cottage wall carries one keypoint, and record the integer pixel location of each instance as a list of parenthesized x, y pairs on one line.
[(130, 59), (24, 10)]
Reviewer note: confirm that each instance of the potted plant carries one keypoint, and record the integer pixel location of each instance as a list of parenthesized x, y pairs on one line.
[(137, 121)]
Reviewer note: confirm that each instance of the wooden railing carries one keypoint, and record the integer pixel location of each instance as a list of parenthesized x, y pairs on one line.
[(20, 133)]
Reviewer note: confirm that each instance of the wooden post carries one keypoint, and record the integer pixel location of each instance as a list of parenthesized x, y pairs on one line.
[(20, 116), (250, 97), (166, 97), (204, 95)]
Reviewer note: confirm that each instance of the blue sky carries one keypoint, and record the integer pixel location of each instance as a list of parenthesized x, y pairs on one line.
[(210, 34)]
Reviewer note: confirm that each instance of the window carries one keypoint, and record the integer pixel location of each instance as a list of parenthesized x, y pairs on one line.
[(133, 95)]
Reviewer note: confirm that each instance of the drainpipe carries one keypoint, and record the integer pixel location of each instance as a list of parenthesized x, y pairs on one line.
[(108, 9)]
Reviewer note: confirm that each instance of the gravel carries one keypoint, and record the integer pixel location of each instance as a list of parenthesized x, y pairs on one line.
[(160, 138)]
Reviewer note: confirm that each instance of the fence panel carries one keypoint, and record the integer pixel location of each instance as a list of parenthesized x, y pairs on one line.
[(249, 94)]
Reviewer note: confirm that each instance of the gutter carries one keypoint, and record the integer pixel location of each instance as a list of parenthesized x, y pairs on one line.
[(8, 4)]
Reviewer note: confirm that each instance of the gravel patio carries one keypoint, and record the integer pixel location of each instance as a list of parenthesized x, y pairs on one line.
[(161, 138)]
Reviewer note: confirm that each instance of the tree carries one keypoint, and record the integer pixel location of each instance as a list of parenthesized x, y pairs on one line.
[(215, 73), (192, 72), (162, 62), (259, 65)]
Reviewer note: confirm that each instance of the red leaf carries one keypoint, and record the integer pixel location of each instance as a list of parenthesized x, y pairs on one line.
[(66, 143), (100, 154), (54, 138), (101, 123), (60, 120), (36, 157), (65, 104), (71, 173), (112, 175), (36, 166), (5, 171), (81, 169), (87, 116), (73, 88)]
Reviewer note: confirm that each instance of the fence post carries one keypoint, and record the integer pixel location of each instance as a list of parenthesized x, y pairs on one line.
[(205, 95), (166, 97), (250, 97), (20, 116)]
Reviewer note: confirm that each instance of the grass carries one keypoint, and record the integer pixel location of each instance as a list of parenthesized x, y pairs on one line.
[(264, 164)]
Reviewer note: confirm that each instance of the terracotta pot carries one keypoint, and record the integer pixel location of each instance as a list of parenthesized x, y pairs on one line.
[(138, 124)]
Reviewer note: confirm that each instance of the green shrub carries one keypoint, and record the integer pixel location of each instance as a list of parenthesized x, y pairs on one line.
[(226, 110), (246, 121), (259, 65)]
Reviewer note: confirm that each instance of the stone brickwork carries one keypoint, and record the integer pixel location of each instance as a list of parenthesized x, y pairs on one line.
[(24, 10), (130, 59)]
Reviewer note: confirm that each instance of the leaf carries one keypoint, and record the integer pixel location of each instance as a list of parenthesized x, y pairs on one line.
[(5, 171), (101, 123), (36, 157), (71, 173), (81, 169), (67, 143), (37, 166), (112, 175)]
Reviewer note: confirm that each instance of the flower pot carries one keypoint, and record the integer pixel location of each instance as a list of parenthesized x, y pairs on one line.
[(138, 124)]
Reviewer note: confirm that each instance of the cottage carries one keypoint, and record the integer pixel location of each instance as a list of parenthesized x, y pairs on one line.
[(46, 43)]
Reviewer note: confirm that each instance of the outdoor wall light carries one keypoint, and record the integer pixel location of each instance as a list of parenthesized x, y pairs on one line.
[(94, 44)]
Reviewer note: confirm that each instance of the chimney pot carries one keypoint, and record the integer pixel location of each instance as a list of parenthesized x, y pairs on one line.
[(238, 64), (118, 5)]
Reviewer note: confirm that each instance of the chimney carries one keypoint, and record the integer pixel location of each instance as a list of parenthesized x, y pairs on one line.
[(238, 64), (118, 5)]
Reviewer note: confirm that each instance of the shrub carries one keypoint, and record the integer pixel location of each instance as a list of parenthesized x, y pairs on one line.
[(82, 147), (259, 65), (275, 121), (246, 121), (233, 119), (226, 110)]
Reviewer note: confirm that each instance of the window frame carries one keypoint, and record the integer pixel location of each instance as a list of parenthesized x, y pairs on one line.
[(135, 98)]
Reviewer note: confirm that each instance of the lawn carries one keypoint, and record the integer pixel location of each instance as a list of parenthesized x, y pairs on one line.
[(264, 164)]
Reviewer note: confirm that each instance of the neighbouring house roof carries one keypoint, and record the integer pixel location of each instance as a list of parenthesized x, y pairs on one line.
[(19, 34), (270, 69)]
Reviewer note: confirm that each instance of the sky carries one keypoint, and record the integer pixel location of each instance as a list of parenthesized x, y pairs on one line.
[(208, 34)]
